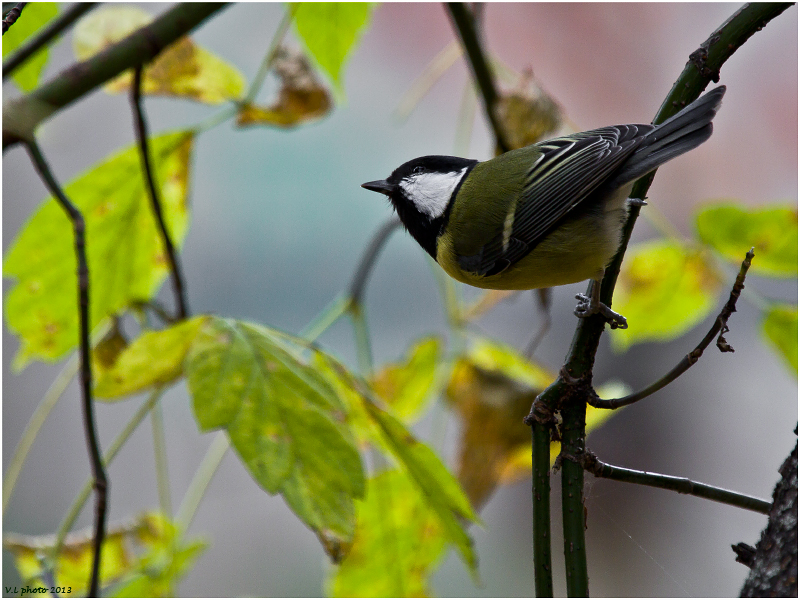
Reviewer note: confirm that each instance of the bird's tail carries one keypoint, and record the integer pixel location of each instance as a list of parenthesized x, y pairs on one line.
[(680, 133)]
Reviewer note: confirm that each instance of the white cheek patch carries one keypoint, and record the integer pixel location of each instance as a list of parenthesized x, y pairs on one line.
[(430, 192)]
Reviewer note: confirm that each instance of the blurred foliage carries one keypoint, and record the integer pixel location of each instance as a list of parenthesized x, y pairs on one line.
[(183, 69), (35, 16), (330, 31), (146, 558), (398, 536), (731, 229), (780, 329), (406, 386), (664, 289)]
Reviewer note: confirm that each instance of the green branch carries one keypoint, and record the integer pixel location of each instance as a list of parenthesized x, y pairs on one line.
[(574, 384), (464, 22), (22, 115), (682, 485)]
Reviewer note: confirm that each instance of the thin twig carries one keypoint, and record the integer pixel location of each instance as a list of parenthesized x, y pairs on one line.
[(12, 16), (369, 257), (90, 429), (152, 191), (682, 485), (464, 22), (720, 327), (45, 35), (77, 506)]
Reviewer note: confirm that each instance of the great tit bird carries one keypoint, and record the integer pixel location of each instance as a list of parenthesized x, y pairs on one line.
[(544, 215)]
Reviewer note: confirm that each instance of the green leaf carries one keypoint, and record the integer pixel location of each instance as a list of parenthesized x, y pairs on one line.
[(123, 246), (284, 420), (183, 69), (732, 229), (398, 543), (407, 385), (442, 492), (155, 357), (780, 329), (330, 30), (664, 289), (34, 16)]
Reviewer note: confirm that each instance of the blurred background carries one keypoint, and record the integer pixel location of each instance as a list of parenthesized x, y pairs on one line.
[(279, 222)]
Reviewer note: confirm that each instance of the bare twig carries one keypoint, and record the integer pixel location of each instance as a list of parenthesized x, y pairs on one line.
[(464, 22), (682, 485), (369, 257), (12, 16), (720, 327), (152, 192), (45, 36), (98, 471)]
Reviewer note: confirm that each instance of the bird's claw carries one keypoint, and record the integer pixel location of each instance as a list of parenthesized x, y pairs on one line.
[(586, 308)]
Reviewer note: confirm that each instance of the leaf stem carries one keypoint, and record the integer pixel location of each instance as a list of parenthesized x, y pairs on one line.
[(47, 404), (160, 452), (89, 425), (329, 315), (269, 57), (152, 192), (202, 478)]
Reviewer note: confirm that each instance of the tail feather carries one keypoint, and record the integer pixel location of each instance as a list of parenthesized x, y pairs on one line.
[(680, 133)]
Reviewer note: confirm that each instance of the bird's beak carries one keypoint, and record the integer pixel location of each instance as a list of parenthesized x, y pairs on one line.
[(381, 186)]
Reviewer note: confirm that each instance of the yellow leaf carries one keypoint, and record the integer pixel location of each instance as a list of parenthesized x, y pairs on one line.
[(183, 69), (407, 385), (664, 289)]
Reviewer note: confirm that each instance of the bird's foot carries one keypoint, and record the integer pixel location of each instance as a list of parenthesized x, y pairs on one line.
[(587, 307)]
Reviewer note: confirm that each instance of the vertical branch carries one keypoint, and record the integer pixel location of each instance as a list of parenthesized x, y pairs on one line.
[(98, 471), (572, 507), (464, 23), (542, 560), (155, 202)]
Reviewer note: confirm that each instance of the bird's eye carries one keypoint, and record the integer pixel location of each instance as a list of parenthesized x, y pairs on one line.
[(418, 169)]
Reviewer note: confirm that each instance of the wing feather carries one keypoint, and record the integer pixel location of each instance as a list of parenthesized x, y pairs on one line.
[(568, 171)]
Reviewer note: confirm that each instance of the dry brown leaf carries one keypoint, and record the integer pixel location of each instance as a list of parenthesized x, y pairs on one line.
[(302, 97), (527, 114)]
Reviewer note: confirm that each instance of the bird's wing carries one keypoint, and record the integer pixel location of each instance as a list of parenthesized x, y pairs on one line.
[(569, 169)]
